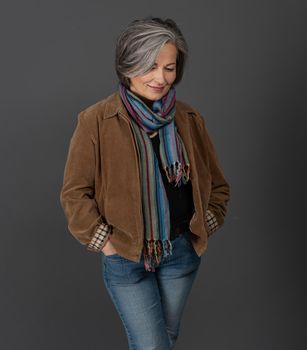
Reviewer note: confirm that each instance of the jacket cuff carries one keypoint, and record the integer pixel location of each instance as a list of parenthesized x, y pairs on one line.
[(211, 221), (100, 238)]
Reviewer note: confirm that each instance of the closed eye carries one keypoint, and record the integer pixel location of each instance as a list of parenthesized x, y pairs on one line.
[(167, 69)]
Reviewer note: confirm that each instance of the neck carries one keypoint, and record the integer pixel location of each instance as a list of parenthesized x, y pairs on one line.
[(149, 103)]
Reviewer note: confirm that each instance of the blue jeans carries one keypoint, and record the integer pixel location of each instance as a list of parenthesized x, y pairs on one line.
[(150, 304)]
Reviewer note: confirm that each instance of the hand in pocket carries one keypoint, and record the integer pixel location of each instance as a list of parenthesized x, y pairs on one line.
[(108, 249)]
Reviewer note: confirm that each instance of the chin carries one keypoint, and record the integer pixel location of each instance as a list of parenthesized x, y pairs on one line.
[(156, 95)]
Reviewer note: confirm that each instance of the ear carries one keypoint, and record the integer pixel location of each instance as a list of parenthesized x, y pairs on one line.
[(127, 83)]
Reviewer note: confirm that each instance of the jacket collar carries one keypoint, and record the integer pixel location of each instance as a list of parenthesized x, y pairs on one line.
[(114, 105)]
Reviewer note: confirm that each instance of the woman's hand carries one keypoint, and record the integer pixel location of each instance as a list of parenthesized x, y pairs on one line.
[(108, 248)]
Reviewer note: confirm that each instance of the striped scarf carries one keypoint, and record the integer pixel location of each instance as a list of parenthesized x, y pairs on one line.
[(174, 160)]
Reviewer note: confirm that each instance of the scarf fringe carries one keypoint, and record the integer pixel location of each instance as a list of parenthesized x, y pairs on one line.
[(177, 173), (153, 252)]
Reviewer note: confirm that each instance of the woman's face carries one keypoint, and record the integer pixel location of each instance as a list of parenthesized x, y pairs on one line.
[(156, 83)]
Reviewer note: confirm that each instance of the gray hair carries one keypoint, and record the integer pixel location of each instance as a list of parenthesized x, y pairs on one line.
[(139, 44)]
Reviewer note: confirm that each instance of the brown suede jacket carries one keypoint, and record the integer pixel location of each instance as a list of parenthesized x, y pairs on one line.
[(102, 182)]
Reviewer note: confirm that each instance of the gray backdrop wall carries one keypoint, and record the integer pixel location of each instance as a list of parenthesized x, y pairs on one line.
[(247, 76)]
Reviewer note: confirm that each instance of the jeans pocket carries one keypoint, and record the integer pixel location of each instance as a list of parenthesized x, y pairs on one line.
[(186, 239), (185, 236), (114, 257)]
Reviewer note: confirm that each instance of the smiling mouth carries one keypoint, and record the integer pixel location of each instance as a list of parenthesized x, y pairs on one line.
[(156, 87)]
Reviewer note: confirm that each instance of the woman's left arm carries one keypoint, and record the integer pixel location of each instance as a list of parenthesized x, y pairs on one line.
[(220, 189)]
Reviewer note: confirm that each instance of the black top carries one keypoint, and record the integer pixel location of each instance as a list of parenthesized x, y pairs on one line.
[(180, 199)]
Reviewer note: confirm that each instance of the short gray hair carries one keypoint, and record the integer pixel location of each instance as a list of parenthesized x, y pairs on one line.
[(138, 46)]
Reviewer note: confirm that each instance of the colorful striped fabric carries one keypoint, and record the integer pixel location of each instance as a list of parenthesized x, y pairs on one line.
[(175, 163)]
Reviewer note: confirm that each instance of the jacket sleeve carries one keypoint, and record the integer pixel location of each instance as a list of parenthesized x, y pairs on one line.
[(77, 194), (220, 189)]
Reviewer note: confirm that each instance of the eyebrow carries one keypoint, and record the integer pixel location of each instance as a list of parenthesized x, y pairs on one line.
[(169, 64)]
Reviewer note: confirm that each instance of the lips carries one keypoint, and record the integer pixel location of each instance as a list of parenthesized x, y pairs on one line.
[(156, 88)]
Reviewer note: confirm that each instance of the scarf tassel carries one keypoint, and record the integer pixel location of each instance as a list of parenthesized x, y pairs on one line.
[(176, 172), (153, 252)]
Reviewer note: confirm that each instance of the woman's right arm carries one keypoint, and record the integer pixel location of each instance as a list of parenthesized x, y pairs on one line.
[(77, 194)]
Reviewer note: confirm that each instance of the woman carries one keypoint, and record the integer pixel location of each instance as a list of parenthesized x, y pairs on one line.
[(142, 185)]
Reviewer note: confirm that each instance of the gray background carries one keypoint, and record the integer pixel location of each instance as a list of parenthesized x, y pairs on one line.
[(247, 76)]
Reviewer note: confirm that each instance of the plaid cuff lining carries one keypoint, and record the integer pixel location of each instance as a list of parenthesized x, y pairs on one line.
[(211, 221), (100, 237)]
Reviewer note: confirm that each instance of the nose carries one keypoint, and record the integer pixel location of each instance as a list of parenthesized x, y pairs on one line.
[(159, 76)]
